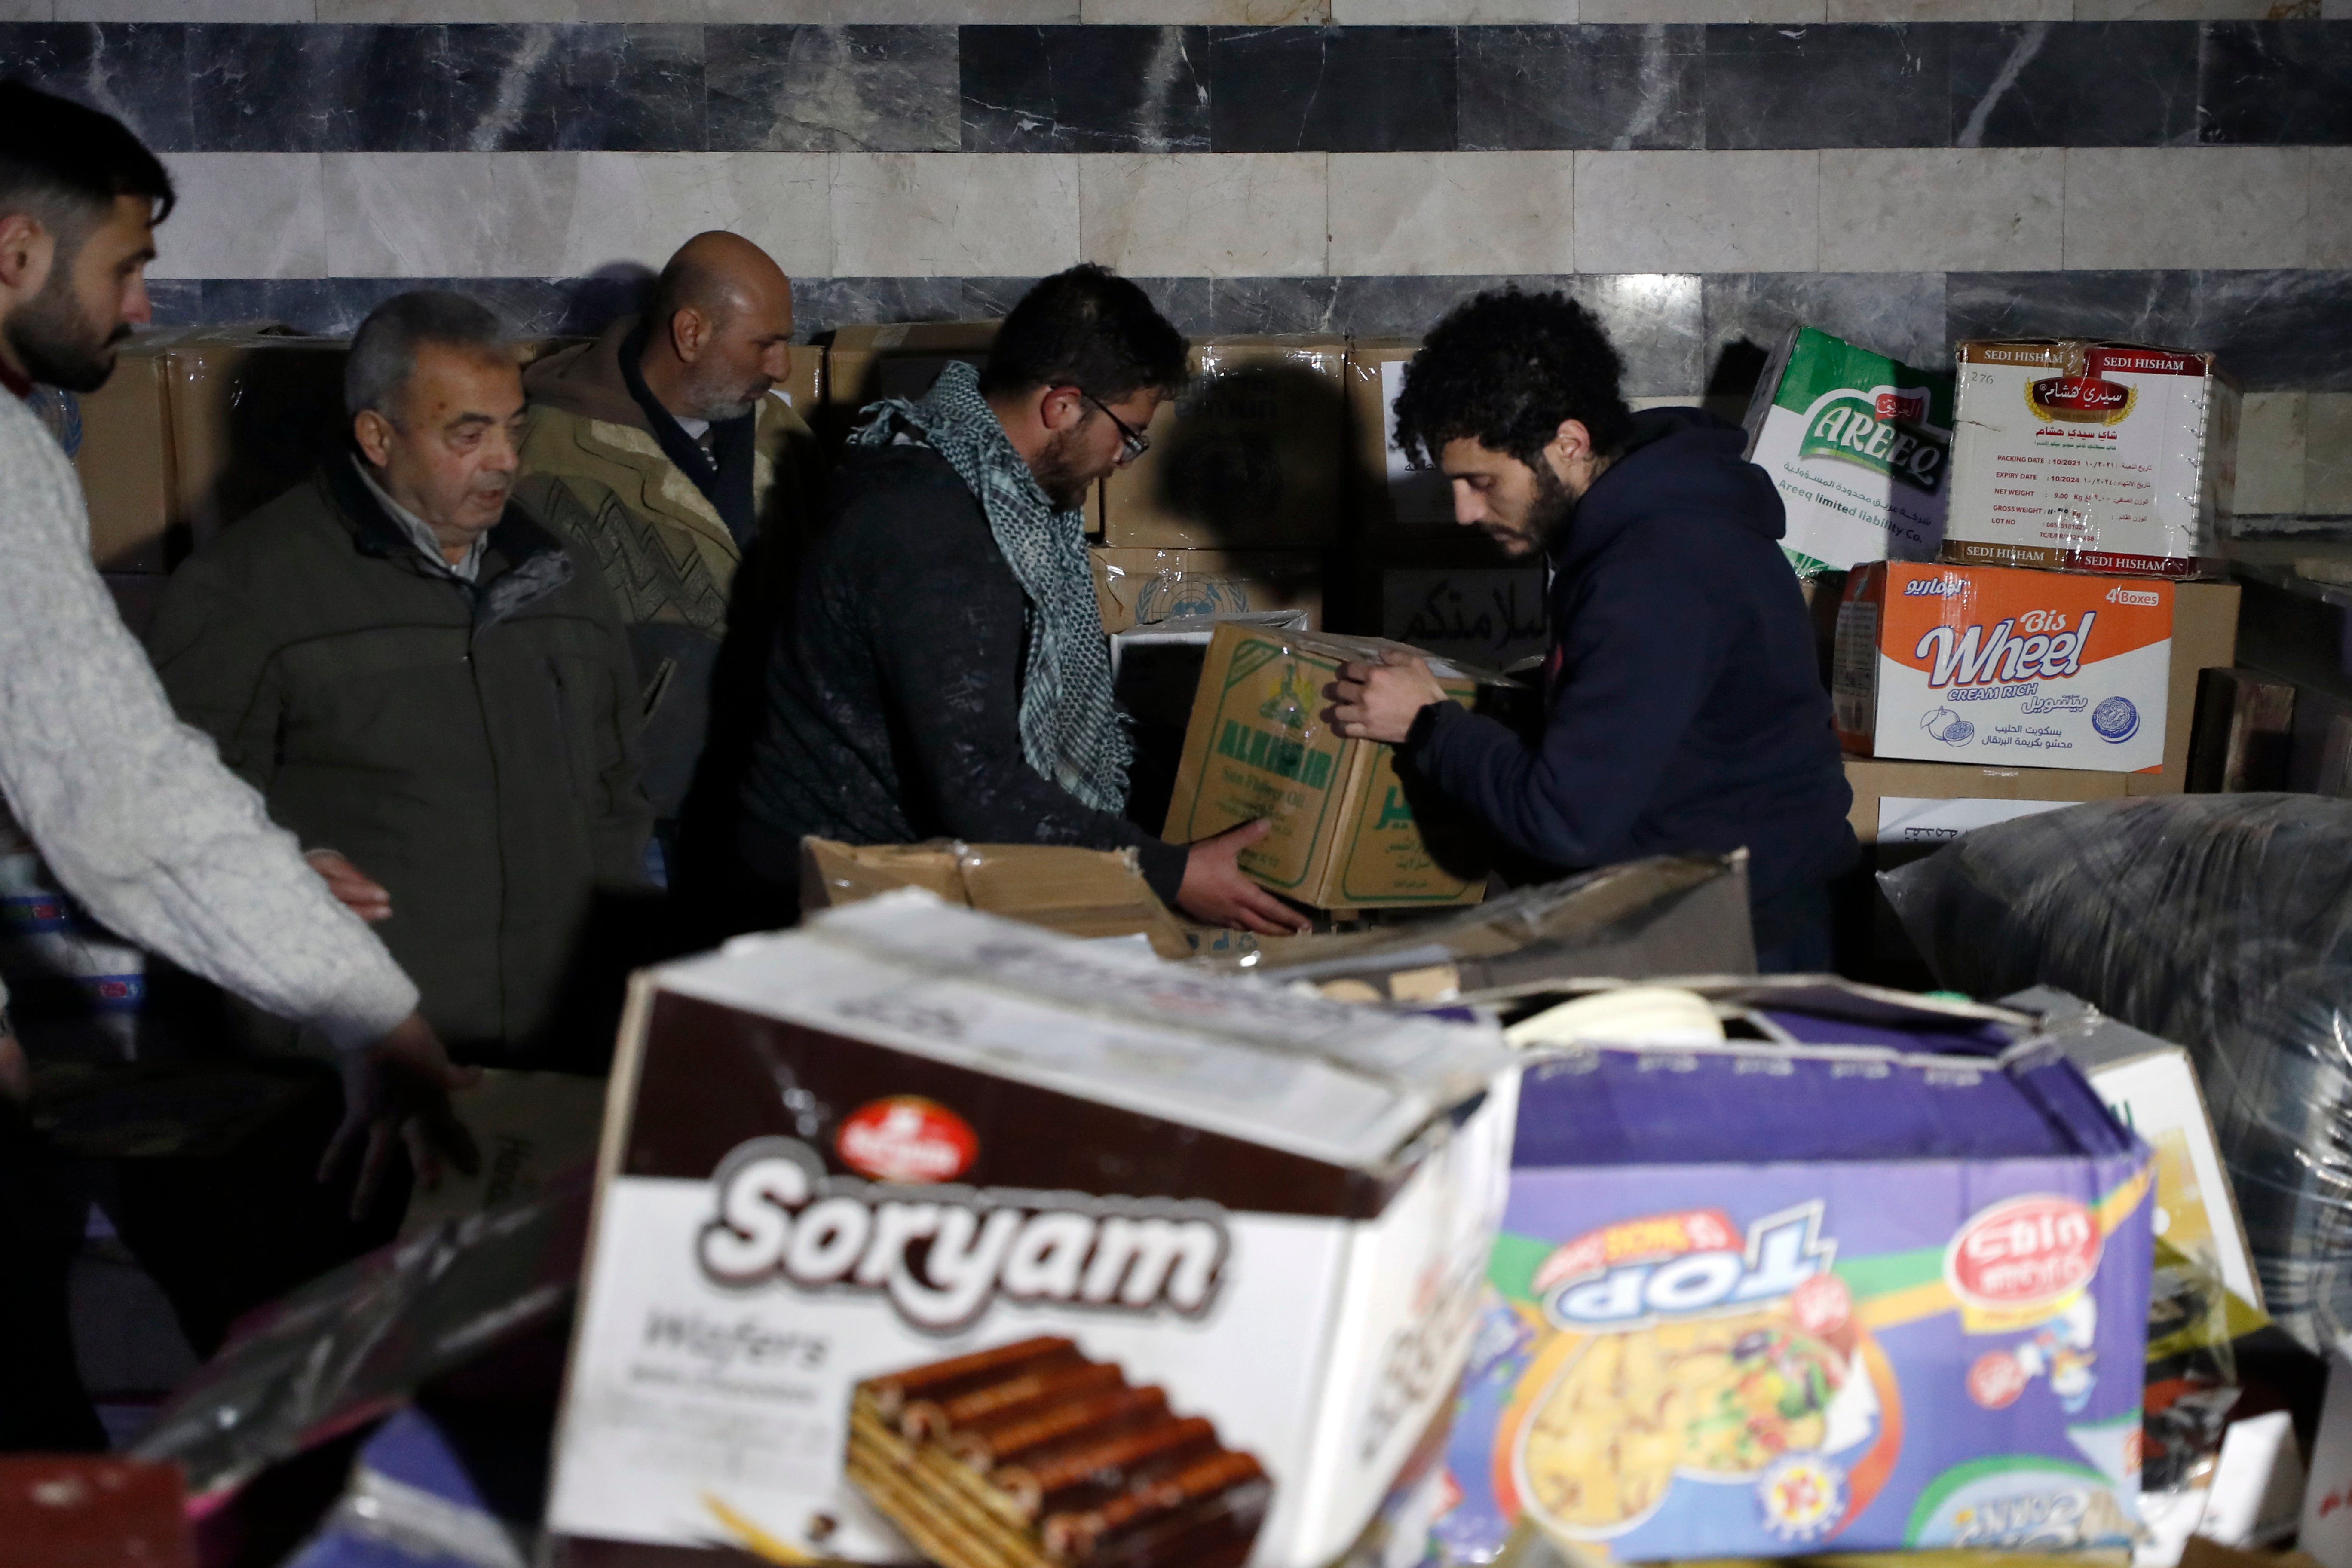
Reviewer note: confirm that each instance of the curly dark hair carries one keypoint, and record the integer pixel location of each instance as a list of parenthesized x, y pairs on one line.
[(1503, 368)]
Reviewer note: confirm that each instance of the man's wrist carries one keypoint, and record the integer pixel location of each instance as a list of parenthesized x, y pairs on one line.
[(1426, 722)]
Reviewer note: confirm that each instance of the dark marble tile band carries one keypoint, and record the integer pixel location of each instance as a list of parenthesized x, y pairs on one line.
[(983, 89), (1681, 333)]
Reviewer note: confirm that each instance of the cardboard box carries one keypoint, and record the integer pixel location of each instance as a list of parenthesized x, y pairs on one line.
[(197, 426), (2025, 669), (1088, 893), (2151, 1086), (1859, 446), (2243, 728), (2204, 636), (1144, 587), (1933, 803), (2326, 1532), (907, 1134), (2093, 457), (1389, 495), (1248, 458), (1490, 615), (865, 364), (1759, 1299), (1345, 833)]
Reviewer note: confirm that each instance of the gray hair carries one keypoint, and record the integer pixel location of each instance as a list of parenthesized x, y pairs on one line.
[(384, 350)]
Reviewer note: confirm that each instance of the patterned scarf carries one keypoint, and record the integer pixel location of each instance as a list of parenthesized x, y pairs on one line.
[(1071, 730)]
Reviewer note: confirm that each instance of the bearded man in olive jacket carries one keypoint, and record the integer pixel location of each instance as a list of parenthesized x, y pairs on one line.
[(427, 686), (665, 451)]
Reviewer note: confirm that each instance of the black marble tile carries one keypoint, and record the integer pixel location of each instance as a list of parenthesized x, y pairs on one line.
[(527, 307), (1189, 303), (176, 301), (821, 304), (2274, 331), (1273, 305), (1653, 318), (1899, 314), (1827, 85), (831, 90), (1331, 89), (1592, 86), (2273, 83), (284, 88), (619, 88), (2073, 84), (1084, 89), (137, 72)]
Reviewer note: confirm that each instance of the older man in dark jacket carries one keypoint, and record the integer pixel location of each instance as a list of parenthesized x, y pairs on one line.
[(429, 688)]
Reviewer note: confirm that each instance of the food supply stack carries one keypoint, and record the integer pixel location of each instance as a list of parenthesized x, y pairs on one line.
[(2020, 553)]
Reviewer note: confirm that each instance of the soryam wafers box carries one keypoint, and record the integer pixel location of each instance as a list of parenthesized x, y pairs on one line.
[(921, 1231), (1772, 1300), (2001, 666)]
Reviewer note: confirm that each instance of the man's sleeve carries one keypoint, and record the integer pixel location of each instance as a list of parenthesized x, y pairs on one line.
[(949, 635), (215, 677), (1640, 662), (132, 809)]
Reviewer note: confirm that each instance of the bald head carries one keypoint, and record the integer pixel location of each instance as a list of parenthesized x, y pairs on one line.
[(720, 329)]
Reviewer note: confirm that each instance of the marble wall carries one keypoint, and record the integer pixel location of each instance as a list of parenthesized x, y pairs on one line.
[(1705, 171)]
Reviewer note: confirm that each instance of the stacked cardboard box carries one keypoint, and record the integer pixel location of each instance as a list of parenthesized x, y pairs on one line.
[(2097, 457), (1145, 587), (1414, 574)]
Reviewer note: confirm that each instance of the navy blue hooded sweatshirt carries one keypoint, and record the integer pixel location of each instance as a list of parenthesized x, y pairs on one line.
[(1684, 708)]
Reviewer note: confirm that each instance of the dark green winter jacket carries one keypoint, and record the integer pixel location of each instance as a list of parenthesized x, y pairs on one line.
[(470, 746)]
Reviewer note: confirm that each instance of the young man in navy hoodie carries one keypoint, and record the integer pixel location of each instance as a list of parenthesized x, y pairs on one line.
[(1682, 706)]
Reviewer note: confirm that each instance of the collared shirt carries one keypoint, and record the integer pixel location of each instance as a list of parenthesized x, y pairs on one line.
[(420, 533)]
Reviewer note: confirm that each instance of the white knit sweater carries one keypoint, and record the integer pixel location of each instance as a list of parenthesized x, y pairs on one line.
[(130, 808)]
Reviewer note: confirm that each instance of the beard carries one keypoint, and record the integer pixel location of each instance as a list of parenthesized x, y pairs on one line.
[(1061, 473), (57, 343), (1549, 509)]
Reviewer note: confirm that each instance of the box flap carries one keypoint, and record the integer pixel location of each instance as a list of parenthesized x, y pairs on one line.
[(1229, 1055)]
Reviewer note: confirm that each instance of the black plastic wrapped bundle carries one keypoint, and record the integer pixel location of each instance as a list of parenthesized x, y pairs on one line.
[(2221, 921)]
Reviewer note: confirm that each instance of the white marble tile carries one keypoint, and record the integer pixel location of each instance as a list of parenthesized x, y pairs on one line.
[(1702, 11), (244, 214), (2335, 10), (2331, 206), (27, 11), (1452, 214), (1204, 214), (1450, 13), (186, 10), (2327, 455), (639, 206), (449, 214), (1951, 10), (2188, 207), (1697, 212), (2271, 454), (1942, 209), (1027, 12), (1206, 13), (951, 215)]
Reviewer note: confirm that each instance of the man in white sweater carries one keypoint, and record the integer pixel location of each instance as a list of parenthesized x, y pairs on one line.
[(131, 809)]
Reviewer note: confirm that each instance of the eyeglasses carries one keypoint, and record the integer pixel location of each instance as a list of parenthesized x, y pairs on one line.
[(1133, 442)]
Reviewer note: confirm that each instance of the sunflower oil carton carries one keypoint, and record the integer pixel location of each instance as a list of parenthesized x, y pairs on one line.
[(1762, 1300), (2003, 665), (1858, 445), (1349, 830)]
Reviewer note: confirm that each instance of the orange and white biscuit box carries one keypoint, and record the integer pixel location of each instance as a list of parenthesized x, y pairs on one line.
[(2003, 666)]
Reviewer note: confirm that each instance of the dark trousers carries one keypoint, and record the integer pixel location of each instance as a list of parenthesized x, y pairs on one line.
[(42, 1404), (1793, 932)]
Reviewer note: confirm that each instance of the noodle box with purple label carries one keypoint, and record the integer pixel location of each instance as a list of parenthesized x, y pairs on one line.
[(1755, 1301)]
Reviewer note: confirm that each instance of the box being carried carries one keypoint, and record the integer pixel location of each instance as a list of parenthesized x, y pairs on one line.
[(2005, 668), (918, 1225), (1346, 833), (1769, 1300), (2092, 457), (1858, 446)]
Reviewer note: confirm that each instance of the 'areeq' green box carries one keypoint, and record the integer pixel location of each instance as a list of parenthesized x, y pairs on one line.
[(1859, 446)]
